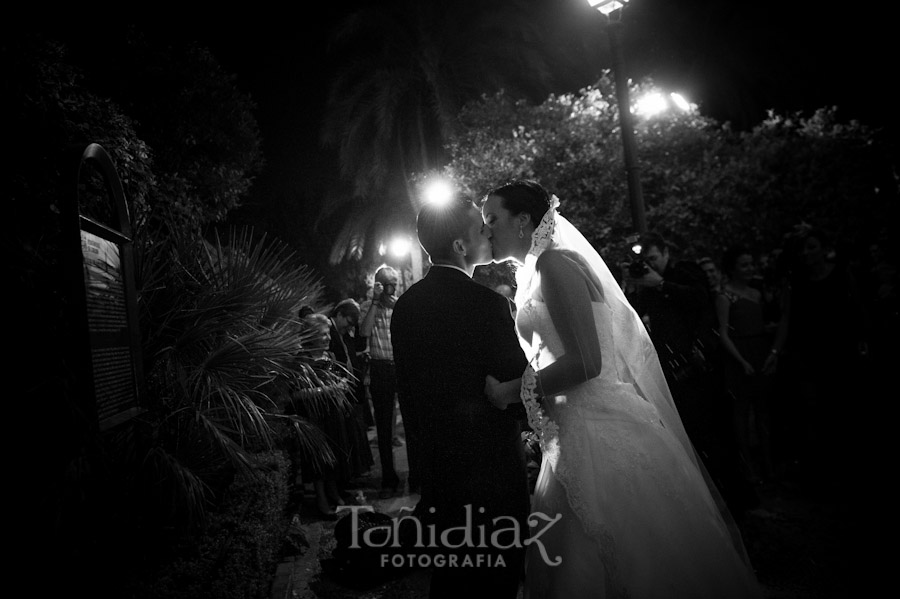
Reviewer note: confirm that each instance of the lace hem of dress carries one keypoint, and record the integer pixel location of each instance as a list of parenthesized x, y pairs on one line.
[(543, 429), (586, 511)]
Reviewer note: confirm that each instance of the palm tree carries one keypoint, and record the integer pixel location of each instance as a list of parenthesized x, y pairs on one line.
[(224, 348), (403, 72)]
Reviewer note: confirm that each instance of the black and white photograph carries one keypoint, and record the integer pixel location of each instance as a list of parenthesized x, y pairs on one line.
[(398, 299)]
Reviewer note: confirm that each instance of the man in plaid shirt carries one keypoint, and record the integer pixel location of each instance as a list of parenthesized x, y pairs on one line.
[(376, 326)]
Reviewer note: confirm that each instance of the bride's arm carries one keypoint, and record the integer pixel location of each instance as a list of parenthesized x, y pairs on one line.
[(569, 288)]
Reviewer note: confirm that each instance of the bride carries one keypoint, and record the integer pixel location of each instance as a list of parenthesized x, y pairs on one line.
[(639, 515)]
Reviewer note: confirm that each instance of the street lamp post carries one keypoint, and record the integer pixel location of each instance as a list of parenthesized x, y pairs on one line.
[(632, 171)]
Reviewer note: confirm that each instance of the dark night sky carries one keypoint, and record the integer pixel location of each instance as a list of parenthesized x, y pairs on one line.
[(722, 54), (728, 56)]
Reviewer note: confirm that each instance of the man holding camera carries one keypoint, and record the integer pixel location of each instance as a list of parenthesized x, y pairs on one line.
[(672, 298), (376, 326)]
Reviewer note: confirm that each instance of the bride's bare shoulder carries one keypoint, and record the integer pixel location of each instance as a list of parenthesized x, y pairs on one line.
[(555, 258), (567, 266)]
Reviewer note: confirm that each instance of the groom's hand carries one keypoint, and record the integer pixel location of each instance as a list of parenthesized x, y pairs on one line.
[(492, 390)]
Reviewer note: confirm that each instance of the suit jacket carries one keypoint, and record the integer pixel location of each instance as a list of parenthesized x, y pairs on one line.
[(676, 313), (449, 333)]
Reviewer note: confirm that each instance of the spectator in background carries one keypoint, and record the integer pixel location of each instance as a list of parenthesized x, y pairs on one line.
[(672, 298), (713, 276), (742, 331), (376, 327), (345, 343), (331, 420), (709, 336), (823, 332)]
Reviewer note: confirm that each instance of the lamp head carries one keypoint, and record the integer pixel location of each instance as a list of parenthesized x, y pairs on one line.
[(608, 6)]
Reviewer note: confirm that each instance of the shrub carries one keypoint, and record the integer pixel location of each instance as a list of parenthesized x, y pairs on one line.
[(235, 553)]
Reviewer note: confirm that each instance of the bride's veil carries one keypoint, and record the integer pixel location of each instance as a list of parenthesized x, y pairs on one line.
[(636, 358)]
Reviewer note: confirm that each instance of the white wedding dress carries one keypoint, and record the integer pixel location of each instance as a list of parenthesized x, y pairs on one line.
[(638, 519)]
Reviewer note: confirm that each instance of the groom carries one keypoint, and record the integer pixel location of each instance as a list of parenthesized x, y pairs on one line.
[(448, 333)]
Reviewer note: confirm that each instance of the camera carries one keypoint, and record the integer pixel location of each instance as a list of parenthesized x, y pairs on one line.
[(637, 269), (636, 266)]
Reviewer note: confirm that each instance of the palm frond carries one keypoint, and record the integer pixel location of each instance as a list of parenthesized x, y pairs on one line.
[(228, 352), (235, 452), (176, 489), (310, 439)]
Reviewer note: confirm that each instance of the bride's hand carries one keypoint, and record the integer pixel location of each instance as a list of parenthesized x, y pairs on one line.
[(492, 390)]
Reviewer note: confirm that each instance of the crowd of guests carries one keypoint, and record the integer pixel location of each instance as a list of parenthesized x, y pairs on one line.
[(769, 355), (352, 339), (766, 353), (332, 339)]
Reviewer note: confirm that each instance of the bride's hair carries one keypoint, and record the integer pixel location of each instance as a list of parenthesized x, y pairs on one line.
[(524, 195)]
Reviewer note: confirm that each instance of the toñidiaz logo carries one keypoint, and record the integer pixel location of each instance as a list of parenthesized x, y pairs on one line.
[(465, 546)]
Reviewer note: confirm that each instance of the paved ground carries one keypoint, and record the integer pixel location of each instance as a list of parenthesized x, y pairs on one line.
[(301, 576), (797, 543)]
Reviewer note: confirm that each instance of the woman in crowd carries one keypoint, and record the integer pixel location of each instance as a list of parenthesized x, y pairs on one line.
[(742, 331), (327, 479)]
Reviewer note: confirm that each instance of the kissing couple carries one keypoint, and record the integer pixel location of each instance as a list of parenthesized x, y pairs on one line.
[(633, 511)]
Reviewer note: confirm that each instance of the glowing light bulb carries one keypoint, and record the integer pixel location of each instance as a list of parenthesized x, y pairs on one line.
[(680, 102), (607, 6), (438, 192), (651, 104), (399, 247)]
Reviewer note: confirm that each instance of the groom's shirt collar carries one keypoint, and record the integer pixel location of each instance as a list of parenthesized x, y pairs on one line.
[(454, 267)]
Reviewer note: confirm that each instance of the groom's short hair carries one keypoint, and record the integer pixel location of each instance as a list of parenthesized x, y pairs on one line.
[(438, 226)]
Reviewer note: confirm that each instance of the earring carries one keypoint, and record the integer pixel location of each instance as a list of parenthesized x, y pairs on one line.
[(521, 232)]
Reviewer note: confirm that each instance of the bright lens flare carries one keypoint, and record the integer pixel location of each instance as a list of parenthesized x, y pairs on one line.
[(399, 247), (438, 192), (654, 103), (651, 104), (680, 102)]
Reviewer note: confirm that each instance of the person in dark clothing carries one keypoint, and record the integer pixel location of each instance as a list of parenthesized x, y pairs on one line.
[(745, 339), (672, 299), (449, 332), (823, 334), (345, 343)]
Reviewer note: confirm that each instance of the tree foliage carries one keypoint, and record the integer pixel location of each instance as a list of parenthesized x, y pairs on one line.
[(403, 70), (704, 185), (224, 348), (187, 108), (220, 336)]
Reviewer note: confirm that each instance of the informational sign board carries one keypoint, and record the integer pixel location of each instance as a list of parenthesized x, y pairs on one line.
[(103, 296)]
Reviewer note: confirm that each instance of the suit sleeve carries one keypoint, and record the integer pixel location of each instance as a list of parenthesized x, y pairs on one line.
[(506, 360)]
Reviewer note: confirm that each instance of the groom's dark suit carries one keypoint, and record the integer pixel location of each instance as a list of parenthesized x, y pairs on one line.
[(448, 334)]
